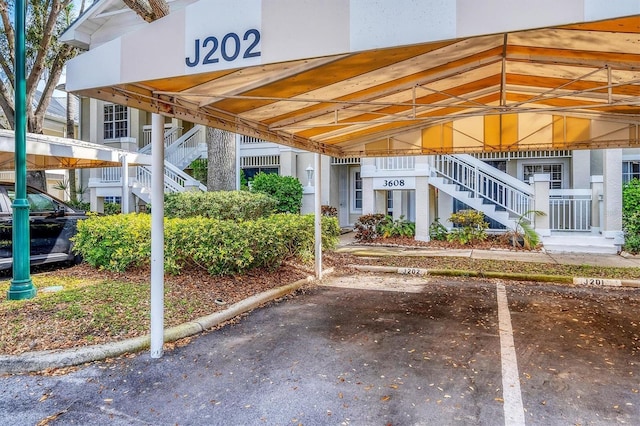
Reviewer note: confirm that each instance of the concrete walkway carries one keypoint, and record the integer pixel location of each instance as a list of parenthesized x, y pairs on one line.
[(347, 244)]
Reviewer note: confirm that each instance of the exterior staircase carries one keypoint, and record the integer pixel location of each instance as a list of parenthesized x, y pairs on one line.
[(498, 195), (179, 152)]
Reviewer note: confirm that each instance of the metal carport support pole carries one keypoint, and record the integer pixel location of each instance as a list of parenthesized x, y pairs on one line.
[(125, 183), (21, 286), (157, 235), (317, 215)]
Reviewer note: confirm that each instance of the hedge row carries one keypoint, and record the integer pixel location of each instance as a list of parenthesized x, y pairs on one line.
[(221, 247), (223, 205)]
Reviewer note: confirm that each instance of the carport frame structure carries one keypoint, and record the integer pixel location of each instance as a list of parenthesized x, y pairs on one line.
[(356, 78)]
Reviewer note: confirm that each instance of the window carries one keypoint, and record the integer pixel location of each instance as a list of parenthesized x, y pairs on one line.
[(630, 170), (390, 202), (553, 170), (498, 164), (250, 172), (356, 191), (116, 124), (112, 199)]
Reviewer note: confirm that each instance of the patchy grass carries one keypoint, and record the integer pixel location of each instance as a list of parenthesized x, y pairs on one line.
[(98, 307)]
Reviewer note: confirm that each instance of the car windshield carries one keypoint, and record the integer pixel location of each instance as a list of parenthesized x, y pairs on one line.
[(37, 202)]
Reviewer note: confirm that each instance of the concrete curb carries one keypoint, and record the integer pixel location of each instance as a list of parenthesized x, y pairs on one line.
[(41, 360), (582, 281)]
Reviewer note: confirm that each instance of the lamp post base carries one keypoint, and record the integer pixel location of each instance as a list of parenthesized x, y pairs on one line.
[(21, 289)]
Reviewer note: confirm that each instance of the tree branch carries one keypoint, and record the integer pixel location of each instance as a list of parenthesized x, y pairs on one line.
[(8, 30), (149, 10), (45, 44)]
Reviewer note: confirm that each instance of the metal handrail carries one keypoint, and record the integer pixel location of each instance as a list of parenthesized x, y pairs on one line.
[(486, 182)]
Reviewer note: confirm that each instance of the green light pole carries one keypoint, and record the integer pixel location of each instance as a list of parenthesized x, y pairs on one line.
[(21, 285)]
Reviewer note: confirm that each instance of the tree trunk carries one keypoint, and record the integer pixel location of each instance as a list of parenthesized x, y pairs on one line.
[(221, 156), (149, 10), (37, 179)]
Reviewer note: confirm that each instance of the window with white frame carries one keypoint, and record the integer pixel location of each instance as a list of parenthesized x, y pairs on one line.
[(116, 123), (113, 199), (356, 191), (630, 170), (553, 170)]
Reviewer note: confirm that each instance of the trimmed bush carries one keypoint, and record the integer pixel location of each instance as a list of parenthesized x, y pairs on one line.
[(223, 205), (219, 246), (470, 227), (286, 189), (631, 215), (396, 228)]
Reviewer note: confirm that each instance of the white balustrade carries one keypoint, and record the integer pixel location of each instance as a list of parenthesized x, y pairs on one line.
[(570, 209), (396, 163), (111, 174)]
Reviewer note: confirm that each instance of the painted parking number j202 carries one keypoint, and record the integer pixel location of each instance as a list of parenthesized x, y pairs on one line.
[(211, 49)]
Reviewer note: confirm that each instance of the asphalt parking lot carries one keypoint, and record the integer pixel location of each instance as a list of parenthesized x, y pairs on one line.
[(373, 350)]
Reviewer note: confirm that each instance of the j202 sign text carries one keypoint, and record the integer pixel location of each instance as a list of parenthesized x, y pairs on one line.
[(229, 48)]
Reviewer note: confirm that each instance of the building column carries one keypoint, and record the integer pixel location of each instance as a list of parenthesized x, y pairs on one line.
[(597, 203), (124, 200), (541, 223), (380, 202), (612, 195), (367, 171), (399, 207), (422, 208), (288, 163), (325, 165)]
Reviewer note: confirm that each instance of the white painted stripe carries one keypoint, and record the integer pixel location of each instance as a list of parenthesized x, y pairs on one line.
[(513, 409)]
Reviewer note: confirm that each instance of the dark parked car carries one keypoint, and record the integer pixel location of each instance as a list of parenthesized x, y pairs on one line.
[(51, 222)]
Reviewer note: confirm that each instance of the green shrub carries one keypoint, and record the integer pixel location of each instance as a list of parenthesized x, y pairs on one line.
[(80, 205), (223, 205), (114, 242), (631, 226), (219, 246), (367, 226), (199, 169), (286, 189), (631, 197), (112, 208), (396, 228), (437, 231), (470, 227), (631, 215)]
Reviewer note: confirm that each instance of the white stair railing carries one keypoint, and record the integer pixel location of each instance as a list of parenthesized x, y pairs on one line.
[(175, 180), (485, 181), (170, 136), (187, 148)]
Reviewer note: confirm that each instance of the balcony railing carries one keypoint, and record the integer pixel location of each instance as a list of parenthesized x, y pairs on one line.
[(395, 163), (570, 209)]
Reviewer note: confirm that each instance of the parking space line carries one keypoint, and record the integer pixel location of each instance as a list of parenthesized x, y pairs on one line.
[(513, 408)]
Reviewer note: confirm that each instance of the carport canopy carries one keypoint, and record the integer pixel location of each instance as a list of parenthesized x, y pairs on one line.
[(353, 78), (50, 152)]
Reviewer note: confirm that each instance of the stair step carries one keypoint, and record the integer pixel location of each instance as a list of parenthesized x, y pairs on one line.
[(579, 244)]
